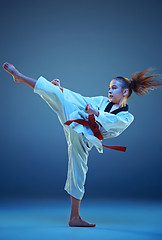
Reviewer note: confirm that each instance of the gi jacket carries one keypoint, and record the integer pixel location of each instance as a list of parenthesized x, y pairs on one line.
[(110, 124)]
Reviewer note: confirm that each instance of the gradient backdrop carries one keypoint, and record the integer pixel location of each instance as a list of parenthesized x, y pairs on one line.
[(85, 44)]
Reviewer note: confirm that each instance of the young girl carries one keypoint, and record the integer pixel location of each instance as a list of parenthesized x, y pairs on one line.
[(86, 122)]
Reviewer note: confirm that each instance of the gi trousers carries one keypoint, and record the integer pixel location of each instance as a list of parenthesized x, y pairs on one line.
[(78, 147)]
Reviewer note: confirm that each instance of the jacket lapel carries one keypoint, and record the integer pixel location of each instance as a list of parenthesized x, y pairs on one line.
[(109, 106)]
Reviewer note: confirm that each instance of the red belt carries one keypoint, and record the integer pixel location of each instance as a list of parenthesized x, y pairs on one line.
[(94, 127)]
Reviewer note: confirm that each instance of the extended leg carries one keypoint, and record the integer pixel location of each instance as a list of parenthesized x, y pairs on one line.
[(19, 77), (48, 91)]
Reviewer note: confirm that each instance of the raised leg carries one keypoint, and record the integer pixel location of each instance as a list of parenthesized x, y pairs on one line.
[(17, 76)]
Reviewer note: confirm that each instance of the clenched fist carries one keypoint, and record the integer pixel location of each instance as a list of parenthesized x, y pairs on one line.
[(56, 82), (89, 109)]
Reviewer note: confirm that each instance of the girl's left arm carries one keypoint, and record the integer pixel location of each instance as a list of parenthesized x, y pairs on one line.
[(79, 100)]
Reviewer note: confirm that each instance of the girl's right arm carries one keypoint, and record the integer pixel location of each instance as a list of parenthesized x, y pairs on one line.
[(76, 98)]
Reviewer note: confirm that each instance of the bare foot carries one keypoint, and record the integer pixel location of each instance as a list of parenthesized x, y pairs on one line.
[(13, 71), (79, 222)]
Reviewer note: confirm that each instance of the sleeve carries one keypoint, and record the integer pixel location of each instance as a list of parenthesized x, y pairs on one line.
[(79, 100), (44, 87), (115, 123)]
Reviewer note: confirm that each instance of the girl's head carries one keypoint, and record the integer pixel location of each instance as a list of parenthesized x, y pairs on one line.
[(120, 88), (117, 92)]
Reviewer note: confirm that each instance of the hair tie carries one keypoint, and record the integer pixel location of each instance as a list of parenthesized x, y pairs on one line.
[(132, 84)]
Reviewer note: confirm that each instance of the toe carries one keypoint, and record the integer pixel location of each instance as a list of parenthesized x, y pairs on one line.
[(92, 225), (5, 65)]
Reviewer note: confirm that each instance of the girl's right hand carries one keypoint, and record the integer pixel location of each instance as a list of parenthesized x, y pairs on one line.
[(56, 82)]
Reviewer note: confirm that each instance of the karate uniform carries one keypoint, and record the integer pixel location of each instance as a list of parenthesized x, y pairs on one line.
[(80, 139)]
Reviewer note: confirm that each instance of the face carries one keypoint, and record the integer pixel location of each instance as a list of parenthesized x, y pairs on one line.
[(115, 92)]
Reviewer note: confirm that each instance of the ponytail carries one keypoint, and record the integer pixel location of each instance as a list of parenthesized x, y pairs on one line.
[(140, 83)]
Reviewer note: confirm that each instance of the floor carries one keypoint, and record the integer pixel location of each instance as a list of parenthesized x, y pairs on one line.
[(48, 219)]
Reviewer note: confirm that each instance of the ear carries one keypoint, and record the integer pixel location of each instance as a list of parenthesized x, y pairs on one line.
[(125, 91)]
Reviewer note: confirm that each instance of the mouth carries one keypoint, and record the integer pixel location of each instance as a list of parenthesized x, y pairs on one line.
[(110, 96)]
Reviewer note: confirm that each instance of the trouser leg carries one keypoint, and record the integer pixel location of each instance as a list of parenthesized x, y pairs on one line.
[(77, 147), (77, 165), (54, 98)]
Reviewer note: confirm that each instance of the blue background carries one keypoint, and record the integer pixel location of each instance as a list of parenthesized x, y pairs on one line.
[(85, 44)]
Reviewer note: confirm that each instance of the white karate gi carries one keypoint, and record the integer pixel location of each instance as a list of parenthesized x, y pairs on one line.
[(80, 139)]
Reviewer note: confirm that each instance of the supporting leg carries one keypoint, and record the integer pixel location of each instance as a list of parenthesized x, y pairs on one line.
[(75, 207), (75, 219), (76, 176)]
